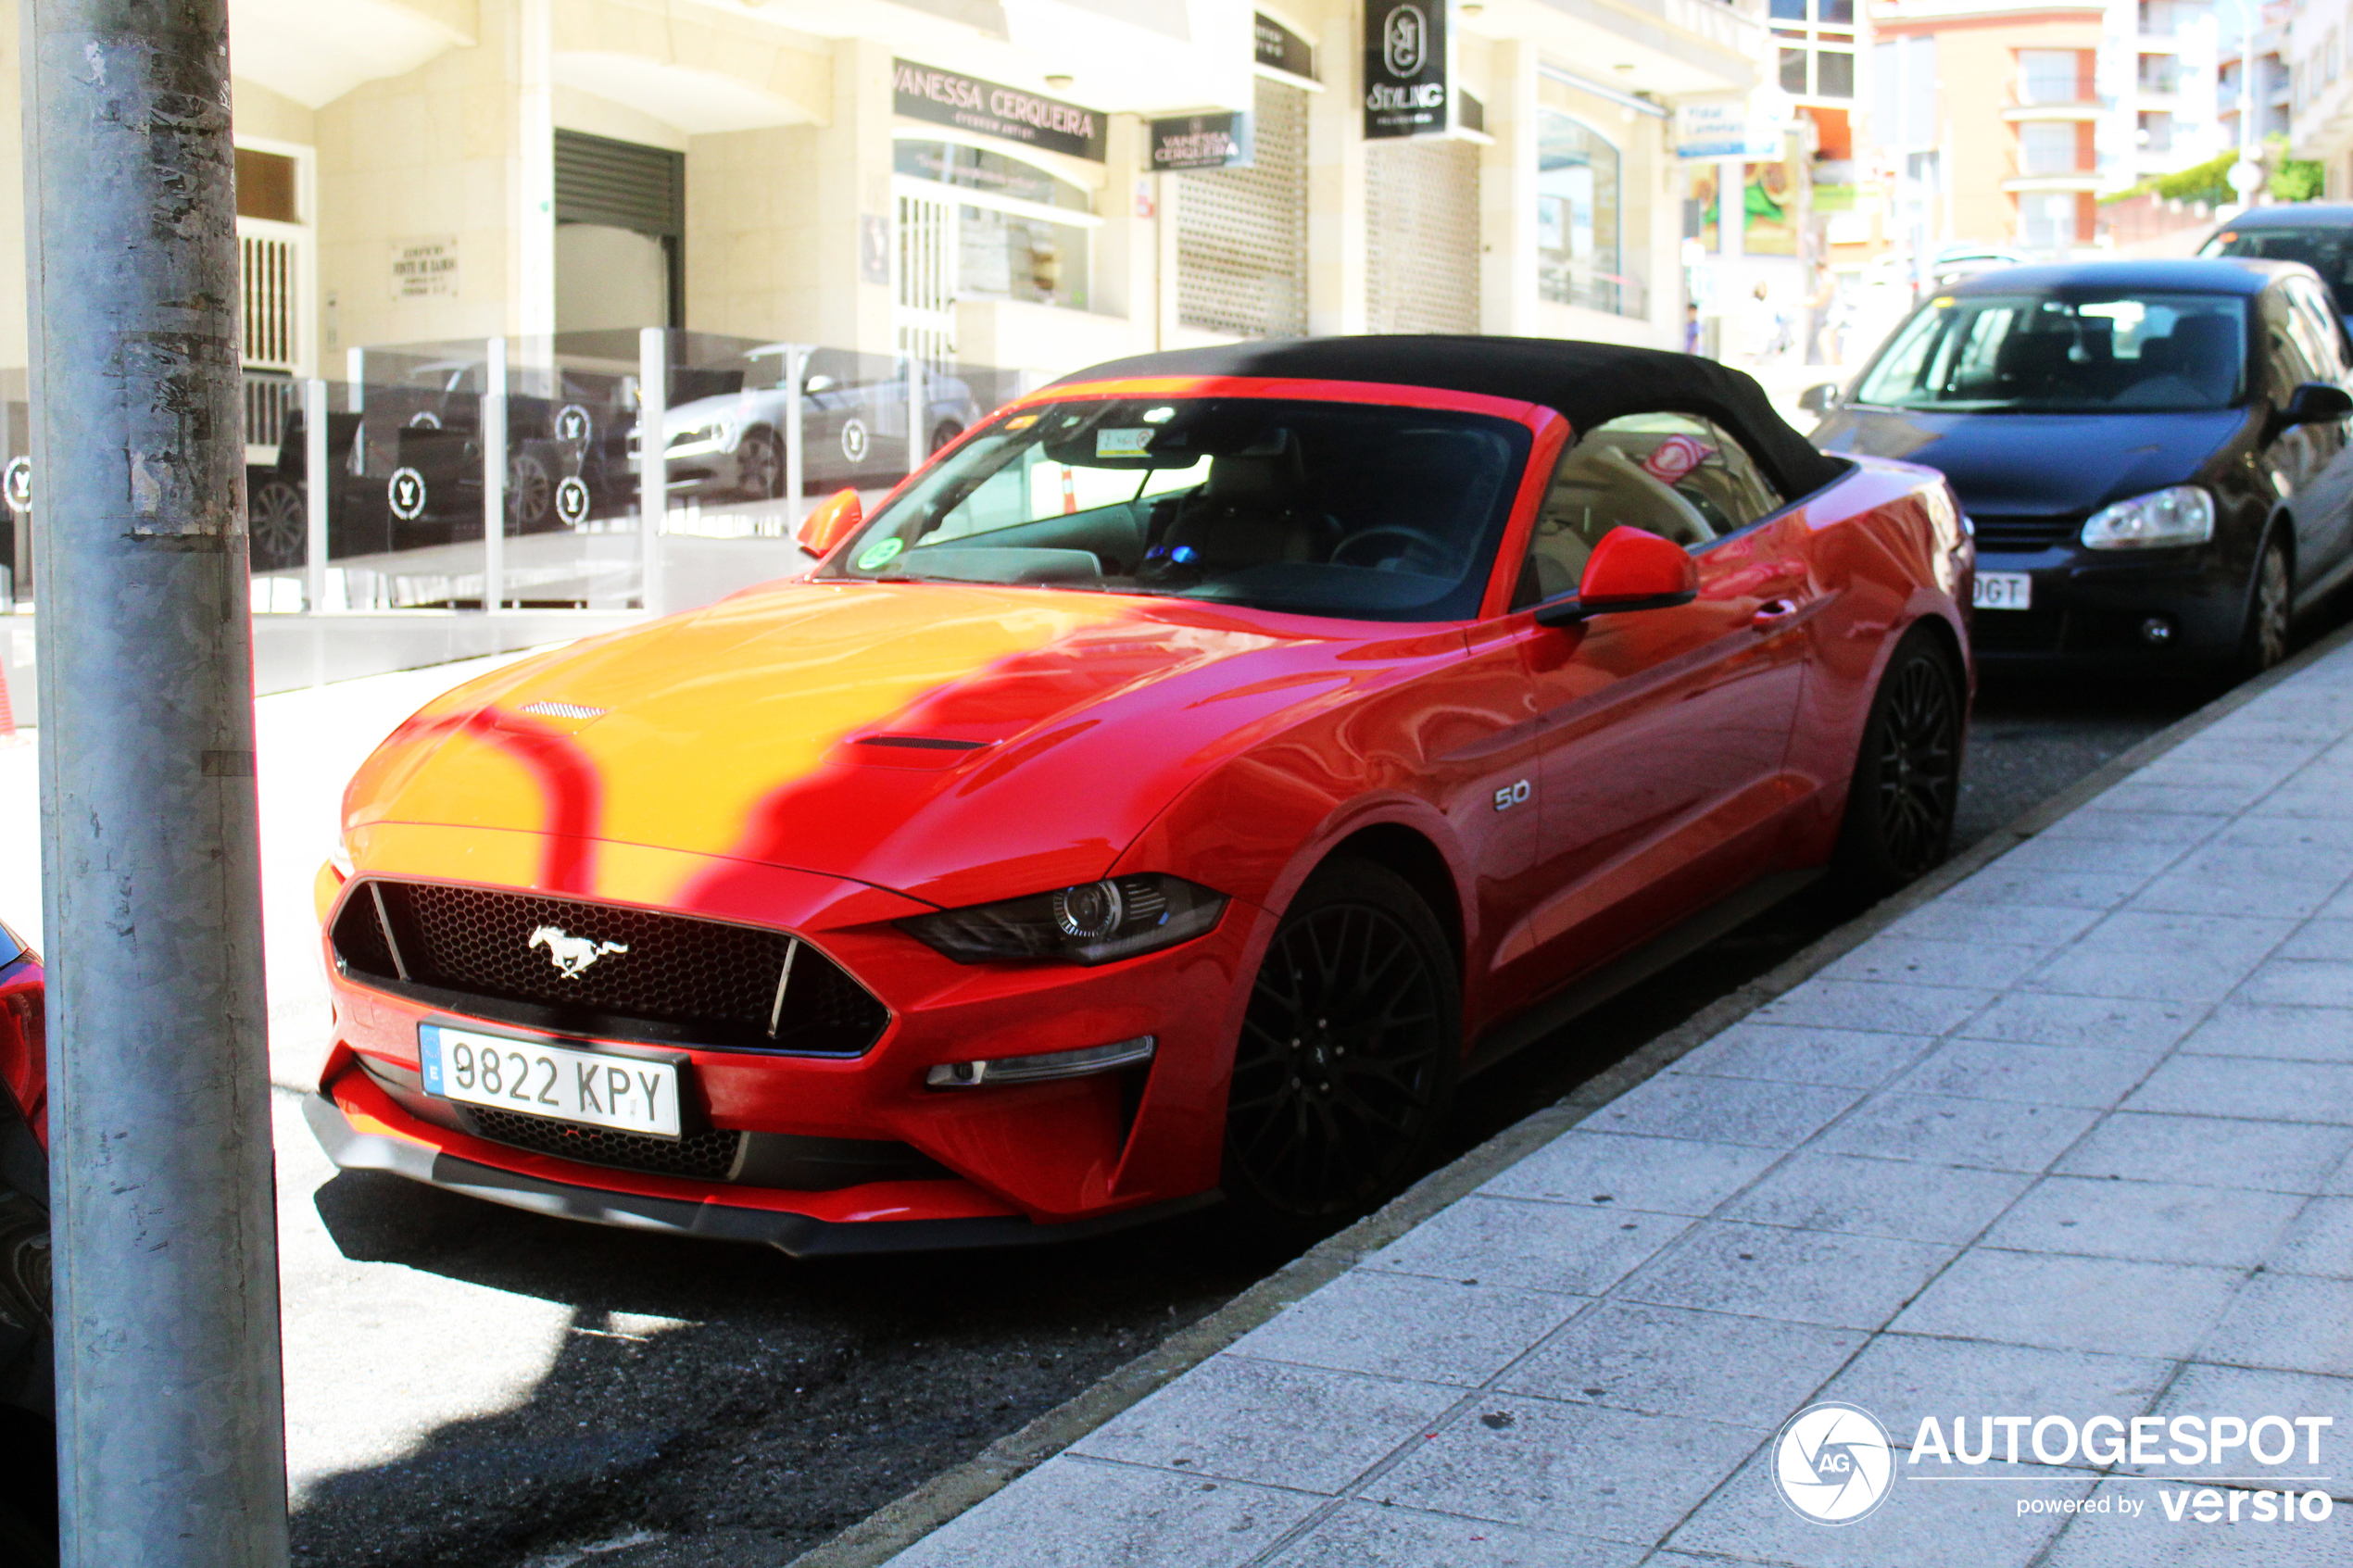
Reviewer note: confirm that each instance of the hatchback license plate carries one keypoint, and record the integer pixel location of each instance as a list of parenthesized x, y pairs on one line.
[(592, 1087), (2002, 590)]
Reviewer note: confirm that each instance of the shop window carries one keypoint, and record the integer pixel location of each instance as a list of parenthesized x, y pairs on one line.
[(1013, 236), (266, 186), (1577, 207)]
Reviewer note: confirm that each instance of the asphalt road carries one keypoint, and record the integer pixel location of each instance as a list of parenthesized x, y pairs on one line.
[(720, 1406)]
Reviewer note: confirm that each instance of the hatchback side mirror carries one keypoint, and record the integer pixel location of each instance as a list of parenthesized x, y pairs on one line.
[(836, 520), (1629, 570), (2315, 402), (1819, 398), (819, 384)]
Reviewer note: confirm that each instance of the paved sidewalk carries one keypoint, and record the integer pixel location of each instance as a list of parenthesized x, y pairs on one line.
[(2070, 1139)]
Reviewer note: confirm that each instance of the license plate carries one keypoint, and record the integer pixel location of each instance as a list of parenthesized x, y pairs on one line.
[(591, 1088), (2002, 590)]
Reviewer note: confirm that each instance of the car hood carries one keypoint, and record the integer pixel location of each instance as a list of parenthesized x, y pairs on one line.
[(2005, 465), (737, 406), (955, 744)]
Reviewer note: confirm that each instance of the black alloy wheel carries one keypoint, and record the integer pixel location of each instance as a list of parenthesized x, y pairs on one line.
[(1908, 775), (529, 493), (1349, 1054), (277, 525), (2271, 611), (760, 466), (946, 431)]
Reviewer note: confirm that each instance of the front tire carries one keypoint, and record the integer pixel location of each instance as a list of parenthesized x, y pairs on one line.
[(1908, 775), (2270, 611), (1349, 1054), (277, 526), (760, 466)]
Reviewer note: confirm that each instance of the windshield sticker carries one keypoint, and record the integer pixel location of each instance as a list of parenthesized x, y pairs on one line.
[(1021, 422), (1130, 442), (882, 552)]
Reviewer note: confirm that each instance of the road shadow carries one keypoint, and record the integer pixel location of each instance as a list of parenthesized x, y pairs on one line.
[(797, 1397)]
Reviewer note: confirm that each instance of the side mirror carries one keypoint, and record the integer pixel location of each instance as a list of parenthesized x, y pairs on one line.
[(1629, 570), (819, 384), (1819, 398), (836, 520), (2315, 402)]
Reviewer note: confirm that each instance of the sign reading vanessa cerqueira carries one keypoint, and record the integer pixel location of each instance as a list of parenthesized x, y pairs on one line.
[(946, 97)]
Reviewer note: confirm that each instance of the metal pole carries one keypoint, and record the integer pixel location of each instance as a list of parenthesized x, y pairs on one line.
[(795, 439), (494, 474), (318, 486), (916, 404), (170, 1430), (653, 459)]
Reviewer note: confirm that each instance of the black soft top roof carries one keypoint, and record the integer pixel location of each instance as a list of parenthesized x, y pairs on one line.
[(1586, 384)]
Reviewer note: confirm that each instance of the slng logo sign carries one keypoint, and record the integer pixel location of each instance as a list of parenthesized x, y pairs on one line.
[(1833, 1463)]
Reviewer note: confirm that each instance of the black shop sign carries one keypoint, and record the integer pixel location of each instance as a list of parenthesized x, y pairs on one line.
[(1200, 140), (946, 97), (1407, 83), (1279, 49)]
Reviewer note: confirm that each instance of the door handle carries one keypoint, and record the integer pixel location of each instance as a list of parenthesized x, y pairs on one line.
[(1772, 612)]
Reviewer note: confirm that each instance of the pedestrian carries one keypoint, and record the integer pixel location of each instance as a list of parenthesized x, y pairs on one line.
[(1691, 328), (1818, 301)]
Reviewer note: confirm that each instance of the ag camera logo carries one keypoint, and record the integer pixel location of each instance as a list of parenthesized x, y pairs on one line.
[(1833, 1463)]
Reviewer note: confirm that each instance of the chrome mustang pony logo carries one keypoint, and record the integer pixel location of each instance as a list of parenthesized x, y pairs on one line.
[(571, 954)]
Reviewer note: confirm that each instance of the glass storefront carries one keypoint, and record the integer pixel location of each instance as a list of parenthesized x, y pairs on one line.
[(1577, 208), (1015, 237)]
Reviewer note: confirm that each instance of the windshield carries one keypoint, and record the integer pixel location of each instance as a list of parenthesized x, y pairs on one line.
[(2047, 354), (2328, 252), (1319, 508)]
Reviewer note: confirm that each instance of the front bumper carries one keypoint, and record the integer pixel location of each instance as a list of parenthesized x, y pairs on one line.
[(994, 1163), (2088, 608), (803, 1236)]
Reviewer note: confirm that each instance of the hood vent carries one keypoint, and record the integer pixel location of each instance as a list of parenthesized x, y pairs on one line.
[(924, 743)]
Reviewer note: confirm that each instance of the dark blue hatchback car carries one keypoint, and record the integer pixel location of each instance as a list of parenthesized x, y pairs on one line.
[(2153, 454)]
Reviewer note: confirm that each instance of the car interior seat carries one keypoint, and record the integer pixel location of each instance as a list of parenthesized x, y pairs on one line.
[(1601, 483), (1254, 509)]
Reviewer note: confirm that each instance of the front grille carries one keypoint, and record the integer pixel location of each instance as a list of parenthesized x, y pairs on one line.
[(604, 969), (703, 1156), (2023, 532)]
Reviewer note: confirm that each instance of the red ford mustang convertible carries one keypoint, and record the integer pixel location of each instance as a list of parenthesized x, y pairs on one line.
[(1169, 792)]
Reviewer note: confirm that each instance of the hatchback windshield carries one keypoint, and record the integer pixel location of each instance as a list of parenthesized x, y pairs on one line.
[(2047, 354), (1320, 509), (2328, 252)]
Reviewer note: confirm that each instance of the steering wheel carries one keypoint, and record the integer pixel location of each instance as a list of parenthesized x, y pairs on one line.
[(1434, 549)]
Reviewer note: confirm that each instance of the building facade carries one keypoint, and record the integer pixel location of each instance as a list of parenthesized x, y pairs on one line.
[(2007, 121), (994, 182)]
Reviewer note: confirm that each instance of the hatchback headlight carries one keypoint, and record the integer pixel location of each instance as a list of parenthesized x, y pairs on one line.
[(1090, 923), (2160, 519), (716, 437)]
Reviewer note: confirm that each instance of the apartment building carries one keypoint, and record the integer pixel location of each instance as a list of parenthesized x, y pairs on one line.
[(2010, 120), (2320, 91)]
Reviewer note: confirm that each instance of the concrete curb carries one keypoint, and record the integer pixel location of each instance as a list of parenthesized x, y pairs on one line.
[(897, 1525)]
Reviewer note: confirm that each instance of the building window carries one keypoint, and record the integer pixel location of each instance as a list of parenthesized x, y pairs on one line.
[(1013, 237), (2155, 132), (2046, 148), (1578, 215), (2046, 220), (1815, 40), (2052, 76)]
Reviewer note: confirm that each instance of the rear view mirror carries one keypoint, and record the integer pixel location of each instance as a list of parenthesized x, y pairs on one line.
[(1817, 399), (836, 520), (1630, 569), (2314, 402)]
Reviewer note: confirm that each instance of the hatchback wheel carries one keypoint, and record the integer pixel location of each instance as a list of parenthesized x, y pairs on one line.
[(1349, 1054), (277, 525), (760, 466), (2270, 607), (1907, 776)]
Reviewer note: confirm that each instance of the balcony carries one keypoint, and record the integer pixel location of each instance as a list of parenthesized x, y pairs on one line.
[(2052, 95)]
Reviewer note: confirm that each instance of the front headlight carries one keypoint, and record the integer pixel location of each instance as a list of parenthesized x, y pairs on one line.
[(2160, 519), (715, 437), (1093, 922), (339, 857)]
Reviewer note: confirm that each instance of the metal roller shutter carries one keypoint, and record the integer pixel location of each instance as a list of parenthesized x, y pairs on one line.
[(1241, 234), (620, 185), (1421, 225)]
